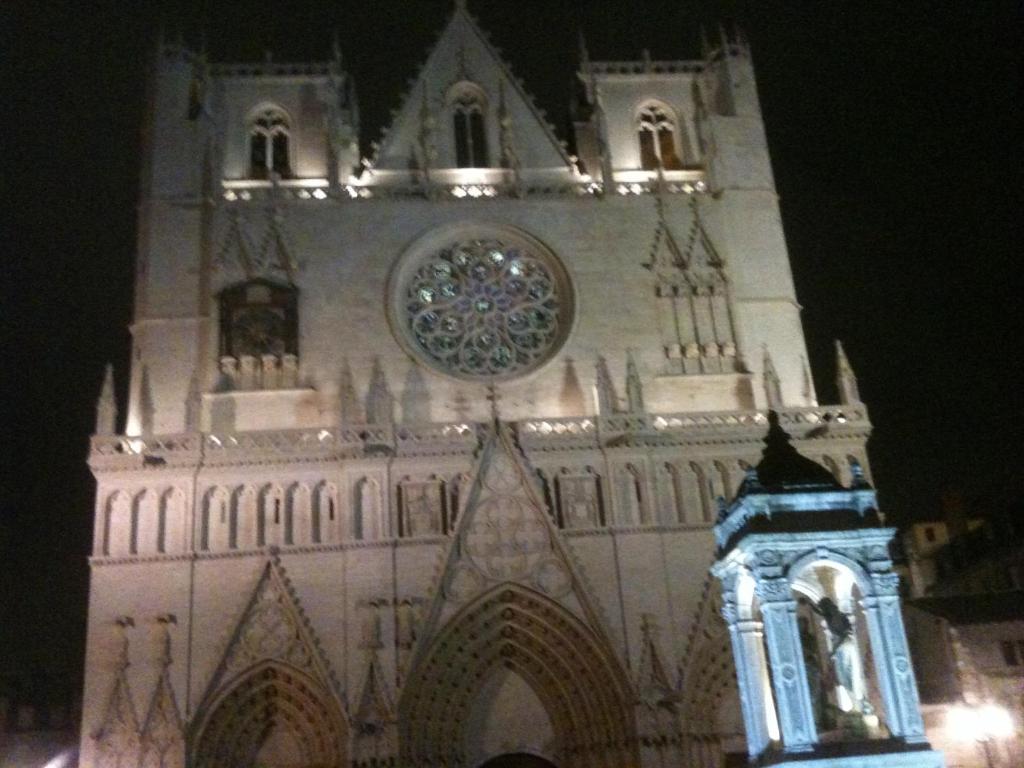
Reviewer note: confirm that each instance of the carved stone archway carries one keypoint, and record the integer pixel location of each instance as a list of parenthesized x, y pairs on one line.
[(272, 716), (571, 669)]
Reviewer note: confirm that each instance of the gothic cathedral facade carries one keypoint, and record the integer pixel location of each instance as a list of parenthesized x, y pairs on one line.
[(424, 450)]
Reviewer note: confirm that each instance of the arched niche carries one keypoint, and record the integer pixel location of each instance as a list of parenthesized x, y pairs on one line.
[(272, 716), (833, 629)]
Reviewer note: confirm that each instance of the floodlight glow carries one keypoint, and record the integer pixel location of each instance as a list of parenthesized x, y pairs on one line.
[(984, 723), (63, 760)]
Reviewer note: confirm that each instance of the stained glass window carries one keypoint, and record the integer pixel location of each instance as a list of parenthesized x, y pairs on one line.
[(484, 308)]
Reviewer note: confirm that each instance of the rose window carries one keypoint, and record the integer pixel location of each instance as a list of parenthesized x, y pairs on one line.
[(484, 308)]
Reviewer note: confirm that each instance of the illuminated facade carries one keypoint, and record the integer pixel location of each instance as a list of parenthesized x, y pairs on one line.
[(423, 449)]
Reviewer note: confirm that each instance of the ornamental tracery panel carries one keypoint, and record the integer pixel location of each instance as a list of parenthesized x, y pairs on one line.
[(481, 303)]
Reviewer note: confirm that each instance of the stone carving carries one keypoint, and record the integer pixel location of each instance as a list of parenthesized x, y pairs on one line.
[(505, 538), (374, 718), (579, 501), (553, 578), (272, 628), (422, 513)]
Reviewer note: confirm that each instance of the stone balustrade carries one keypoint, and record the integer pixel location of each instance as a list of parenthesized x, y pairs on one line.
[(461, 438)]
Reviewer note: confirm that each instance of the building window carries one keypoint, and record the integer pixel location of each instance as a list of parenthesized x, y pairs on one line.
[(482, 304), (656, 130), (929, 534), (258, 318), (269, 145), (470, 132)]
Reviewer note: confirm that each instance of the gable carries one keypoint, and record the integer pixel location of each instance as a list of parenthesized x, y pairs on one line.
[(463, 60)]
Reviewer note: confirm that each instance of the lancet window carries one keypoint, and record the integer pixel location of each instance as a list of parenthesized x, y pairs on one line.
[(469, 120), (657, 133), (270, 145)]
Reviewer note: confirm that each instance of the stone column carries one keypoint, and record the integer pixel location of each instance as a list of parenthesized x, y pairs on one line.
[(789, 676), (892, 659), (751, 677)]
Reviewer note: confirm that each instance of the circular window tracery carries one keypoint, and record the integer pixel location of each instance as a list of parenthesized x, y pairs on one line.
[(483, 306)]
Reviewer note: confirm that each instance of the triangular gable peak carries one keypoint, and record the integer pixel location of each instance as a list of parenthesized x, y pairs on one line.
[(652, 680), (693, 259), (270, 256), (464, 67), (273, 627), (504, 534)]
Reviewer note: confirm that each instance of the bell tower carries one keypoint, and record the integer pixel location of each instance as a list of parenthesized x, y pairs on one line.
[(809, 593)]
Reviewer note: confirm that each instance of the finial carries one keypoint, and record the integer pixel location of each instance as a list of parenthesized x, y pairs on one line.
[(705, 43), (123, 624), (584, 54), (724, 36), (846, 379), (336, 48), (772, 383), (645, 54), (106, 405), (461, 5), (268, 57), (165, 620), (634, 387), (808, 392)]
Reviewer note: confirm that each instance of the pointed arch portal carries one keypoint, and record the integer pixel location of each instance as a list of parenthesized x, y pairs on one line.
[(513, 630), (273, 716)]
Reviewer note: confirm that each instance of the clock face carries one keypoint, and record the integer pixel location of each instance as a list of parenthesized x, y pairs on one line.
[(258, 331)]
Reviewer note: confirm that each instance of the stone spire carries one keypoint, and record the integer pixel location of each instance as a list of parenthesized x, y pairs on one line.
[(772, 383), (607, 399), (846, 379), (634, 389), (380, 403), (106, 405)]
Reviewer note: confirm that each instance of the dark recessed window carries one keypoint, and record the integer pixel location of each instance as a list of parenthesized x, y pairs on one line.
[(269, 145), (258, 318)]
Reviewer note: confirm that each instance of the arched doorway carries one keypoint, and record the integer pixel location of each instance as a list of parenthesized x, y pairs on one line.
[(273, 716), (541, 680), (518, 760)]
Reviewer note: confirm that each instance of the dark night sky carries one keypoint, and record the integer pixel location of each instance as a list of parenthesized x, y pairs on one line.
[(894, 131)]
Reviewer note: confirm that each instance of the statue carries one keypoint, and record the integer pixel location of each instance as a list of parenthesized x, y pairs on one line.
[(843, 645)]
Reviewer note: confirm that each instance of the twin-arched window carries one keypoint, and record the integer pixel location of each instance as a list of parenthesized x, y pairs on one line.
[(269, 144), (470, 125), (656, 131)]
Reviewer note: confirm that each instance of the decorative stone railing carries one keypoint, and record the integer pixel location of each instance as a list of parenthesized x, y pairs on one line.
[(462, 438), (690, 182)]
